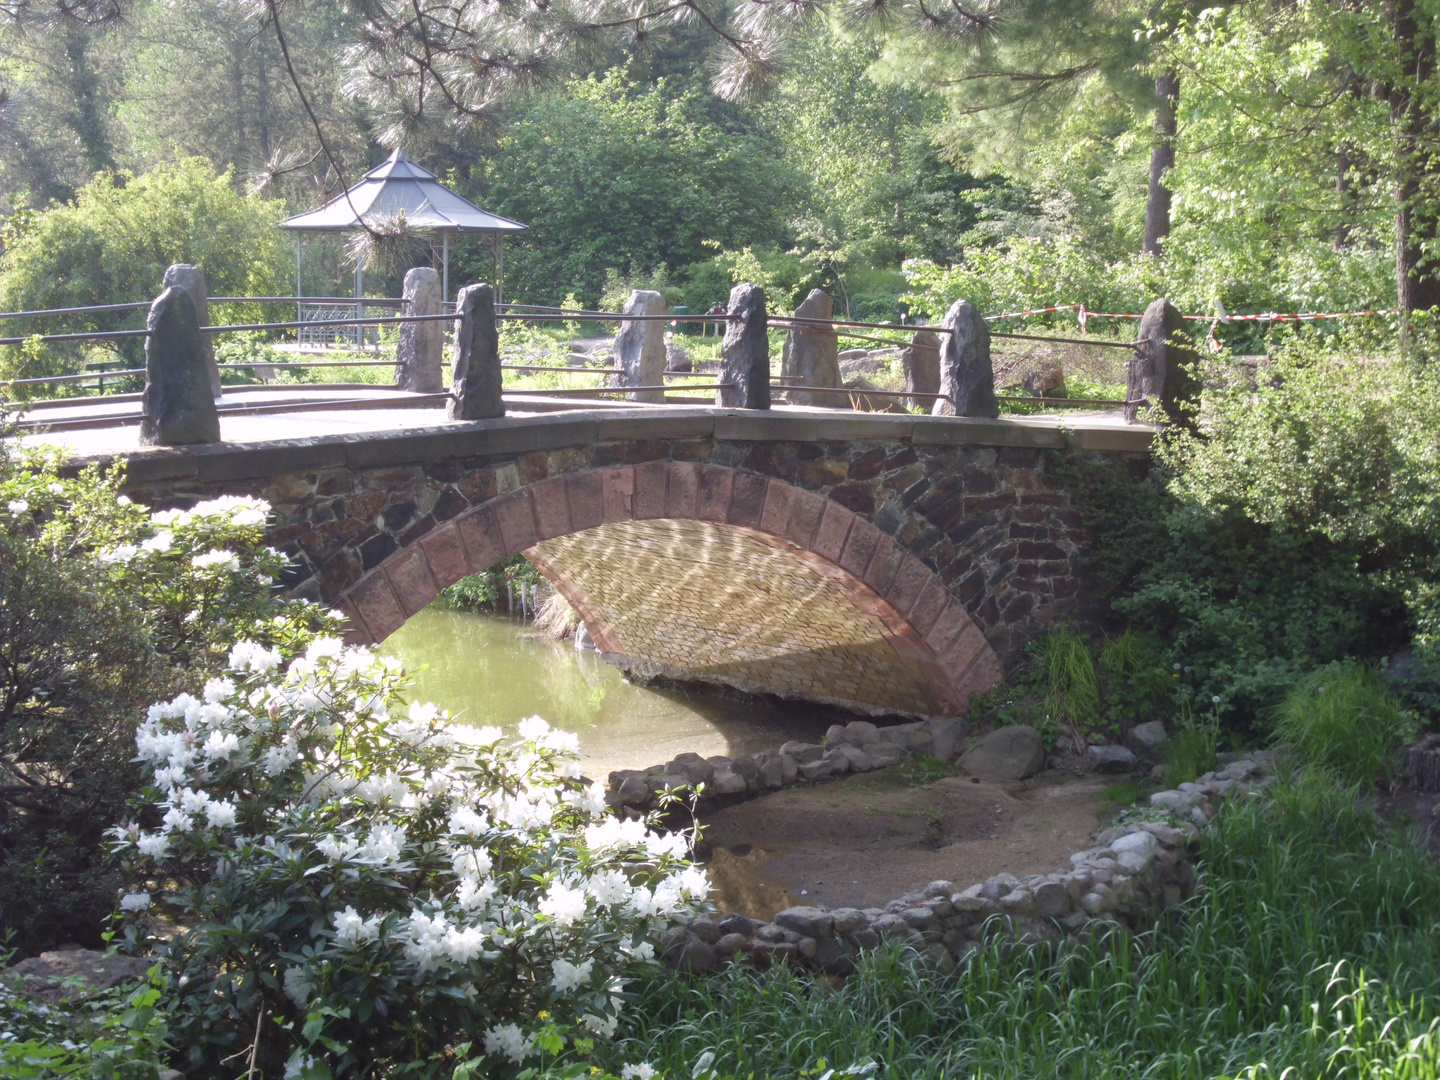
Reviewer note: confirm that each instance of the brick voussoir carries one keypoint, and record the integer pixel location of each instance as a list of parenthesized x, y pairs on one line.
[(446, 553), (682, 483), (411, 578), (583, 491), (551, 502), (481, 537), (779, 501), (650, 483), (714, 486), (375, 601), (617, 494)]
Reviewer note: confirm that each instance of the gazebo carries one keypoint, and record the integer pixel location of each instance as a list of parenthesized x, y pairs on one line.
[(400, 185)]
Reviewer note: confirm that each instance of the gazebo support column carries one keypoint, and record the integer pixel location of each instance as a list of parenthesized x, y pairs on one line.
[(444, 269)]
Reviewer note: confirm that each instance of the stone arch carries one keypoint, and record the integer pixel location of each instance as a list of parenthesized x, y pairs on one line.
[(918, 634)]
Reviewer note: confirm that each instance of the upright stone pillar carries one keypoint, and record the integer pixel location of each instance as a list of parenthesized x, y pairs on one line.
[(966, 377), (192, 280), (1162, 368), (178, 408), (745, 351), (422, 344), (640, 346), (921, 361), (475, 378), (812, 354)]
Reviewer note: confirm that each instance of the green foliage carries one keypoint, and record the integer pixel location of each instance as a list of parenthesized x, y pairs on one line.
[(922, 770), (1312, 909), (118, 1033), (1063, 668), (1342, 718), (475, 592), (1125, 793), (1190, 750), (1135, 684)]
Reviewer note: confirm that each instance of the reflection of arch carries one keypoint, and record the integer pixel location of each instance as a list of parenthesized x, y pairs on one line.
[(593, 533)]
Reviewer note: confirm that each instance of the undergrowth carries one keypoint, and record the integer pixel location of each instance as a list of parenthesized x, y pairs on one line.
[(1310, 952)]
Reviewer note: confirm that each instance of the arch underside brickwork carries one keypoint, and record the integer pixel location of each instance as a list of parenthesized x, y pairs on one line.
[(715, 574)]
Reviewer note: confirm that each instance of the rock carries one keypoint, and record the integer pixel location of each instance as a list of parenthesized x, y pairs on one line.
[(475, 376), (807, 947), (966, 376), (695, 955), (1019, 901), (692, 766), (1110, 759), (634, 791), (583, 638), (706, 931), (421, 348), (890, 926), (788, 768), (640, 346), (970, 899), (803, 752), (1147, 740), (745, 766), (1173, 800), (832, 957), (808, 921), (862, 732), (945, 738), (1162, 369), (836, 735), (838, 762), (921, 361), (772, 773), (883, 754), (1052, 900), (1166, 834), (769, 932), (677, 359), (1008, 753), (737, 924), (745, 351), (730, 944), (919, 918), (876, 401), (45, 976), (810, 357), (859, 760), (192, 279), (939, 890), (816, 770), (727, 782), (848, 919), (179, 406)]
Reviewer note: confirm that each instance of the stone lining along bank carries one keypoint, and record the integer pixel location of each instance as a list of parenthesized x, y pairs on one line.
[(1130, 877)]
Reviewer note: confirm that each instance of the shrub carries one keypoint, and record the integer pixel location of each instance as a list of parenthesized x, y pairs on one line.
[(1064, 669), (101, 605), (386, 888), (1343, 719)]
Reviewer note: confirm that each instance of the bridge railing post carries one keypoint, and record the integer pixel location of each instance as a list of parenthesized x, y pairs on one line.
[(967, 379), (640, 346), (745, 352), (812, 354), (178, 407), (192, 279), (475, 377), (1162, 369), (421, 347)]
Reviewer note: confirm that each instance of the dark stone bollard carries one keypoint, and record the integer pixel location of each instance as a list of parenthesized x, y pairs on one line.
[(746, 352), (966, 377), (475, 378), (178, 407), (1162, 368), (812, 354), (921, 361), (192, 280), (421, 347), (640, 346)]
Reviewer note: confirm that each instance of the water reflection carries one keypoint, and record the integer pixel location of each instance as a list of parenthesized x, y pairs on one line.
[(486, 669)]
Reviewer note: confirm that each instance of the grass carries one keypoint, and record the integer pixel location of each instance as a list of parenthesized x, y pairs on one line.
[(1312, 952), (1125, 793), (1343, 718), (922, 770)]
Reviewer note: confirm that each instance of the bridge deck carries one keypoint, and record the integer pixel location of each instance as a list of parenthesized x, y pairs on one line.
[(323, 427)]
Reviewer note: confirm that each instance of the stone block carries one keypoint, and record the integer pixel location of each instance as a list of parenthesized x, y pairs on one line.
[(178, 405), (682, 483), (747, 501), (640, 346), (617, 494), (515, 518), (1162, 369), (712, 493), (583, 491), (803, 753), (651, 481), (421, 347), (832, 532), (481, 537), (816, 770), (1008, 753), (779, 502), (811, 356), (552, 508), (475, 376), (375, 601), (967, 378), (811, 922), (1147, 740), (745, 351), (1110, 759), (410, 576), (192, 279), (921, 363)]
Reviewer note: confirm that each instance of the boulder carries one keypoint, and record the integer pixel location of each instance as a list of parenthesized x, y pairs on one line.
[(192, 280), (811, 357), (816, 770), (1109, 760), (803, 753), (945, 738), (921, 361), (811, 922), (677, 359), (178, 408), (421, 347), (71, 973), (1162, 369), (967, 378), (1147, 740), (862, 732), (640, 346), (858, 760), (1008, 753), (745, 351), (475, 377)]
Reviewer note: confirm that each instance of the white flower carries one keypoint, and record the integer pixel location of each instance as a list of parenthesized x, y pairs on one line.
[(135, 901), (217, 690), (567, 977), (170, 517), (169, 777), (221, 745), (385, 844), (241, 509), (297, 1065), (567, 742), (324, 648), (298, 986), (55, 488), (351, 929), (533, 728), (18, 506), (693, 882), (221, 815), (336, 848), (467, 822), (252, 656), (192, 802), (123, 500), (471, 894), (277, 759), (161, 541), (176, 820), (589, 800), (643, 1071), (673, 844), (509, 1041), (644, 952), (608, 887), (424, 712), (122, 554), (155, 845), (463, 944), (563, 903), (216, 559), (612, 834), (601, 1025), (703, 1064)]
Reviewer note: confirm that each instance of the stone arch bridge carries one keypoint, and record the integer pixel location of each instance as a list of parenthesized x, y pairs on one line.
[(886, 563)]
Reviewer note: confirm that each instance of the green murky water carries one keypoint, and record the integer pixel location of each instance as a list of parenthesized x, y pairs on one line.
[(489, 669)]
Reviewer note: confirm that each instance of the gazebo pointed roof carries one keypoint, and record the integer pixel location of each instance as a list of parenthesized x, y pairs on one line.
[(396, 185)]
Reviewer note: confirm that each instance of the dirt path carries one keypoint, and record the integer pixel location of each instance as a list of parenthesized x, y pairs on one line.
[(866, 840)]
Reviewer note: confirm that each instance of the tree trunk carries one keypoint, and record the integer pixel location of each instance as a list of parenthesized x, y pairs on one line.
[(1417, 286), (1162, 157)]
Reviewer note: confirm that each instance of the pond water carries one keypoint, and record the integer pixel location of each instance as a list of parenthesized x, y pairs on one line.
[(492, 669)]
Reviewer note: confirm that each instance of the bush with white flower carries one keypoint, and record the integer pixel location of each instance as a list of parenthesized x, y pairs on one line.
[(360, 888)]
